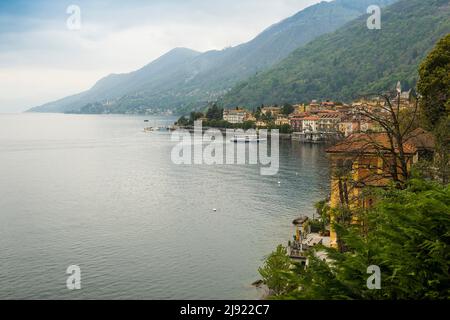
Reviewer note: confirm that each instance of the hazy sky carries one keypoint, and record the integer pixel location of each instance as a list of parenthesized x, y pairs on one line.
[(42, 60)]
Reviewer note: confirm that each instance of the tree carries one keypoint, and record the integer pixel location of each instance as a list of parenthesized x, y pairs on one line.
[(397, 124), (408, 238), (249, 125), (183, 121), (323, 212), (287, 109), (258, 113), (434, 84), (194, 116), (275, 268), (286, 128), (442, 161), (268, 117), (214, 113)]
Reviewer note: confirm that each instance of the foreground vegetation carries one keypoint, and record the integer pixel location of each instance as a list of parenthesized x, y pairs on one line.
[(407, 235)]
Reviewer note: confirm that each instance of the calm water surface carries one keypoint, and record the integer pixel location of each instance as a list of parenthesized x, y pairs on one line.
[(98, 192)]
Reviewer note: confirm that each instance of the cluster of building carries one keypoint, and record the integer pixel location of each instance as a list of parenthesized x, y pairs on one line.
[(360, 164), (366, 160), (238, 116), (313, 119), (318, 121)]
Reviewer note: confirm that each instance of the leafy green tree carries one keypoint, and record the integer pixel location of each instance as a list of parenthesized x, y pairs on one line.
[(214, 113), (194, 116), (183, 121), (258, 114), (434, 86), (442, 160), (434, 83), (219, 124), (323, 211), (268, 116), (249, 125), (407, 234), (275, 270), (287, 109), (286, 128)]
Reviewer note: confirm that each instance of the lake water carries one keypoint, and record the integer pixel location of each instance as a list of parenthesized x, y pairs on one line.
[(98, 192)]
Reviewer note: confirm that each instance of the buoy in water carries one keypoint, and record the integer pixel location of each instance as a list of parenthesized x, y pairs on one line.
[(214, 209)]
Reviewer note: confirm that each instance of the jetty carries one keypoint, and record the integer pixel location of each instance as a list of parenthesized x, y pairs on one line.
[(304, 240)]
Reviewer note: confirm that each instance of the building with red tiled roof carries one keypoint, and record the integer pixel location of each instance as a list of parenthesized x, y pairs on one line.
[(367, 160), (296, 121), (349, 125), (368, 143), (311, 124)]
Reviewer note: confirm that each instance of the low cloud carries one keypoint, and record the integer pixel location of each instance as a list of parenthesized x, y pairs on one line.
[(41, 60)]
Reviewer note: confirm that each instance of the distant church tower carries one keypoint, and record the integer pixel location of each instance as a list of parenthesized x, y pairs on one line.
[(399, 87)]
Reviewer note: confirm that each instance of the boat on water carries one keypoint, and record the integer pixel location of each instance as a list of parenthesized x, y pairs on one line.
[(247, 139), (162, 129), (157, 129)]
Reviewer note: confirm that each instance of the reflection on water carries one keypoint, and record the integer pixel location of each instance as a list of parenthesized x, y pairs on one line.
[(98, 192)]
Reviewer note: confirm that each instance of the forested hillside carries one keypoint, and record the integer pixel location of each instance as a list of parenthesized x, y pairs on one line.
[(353, 60)]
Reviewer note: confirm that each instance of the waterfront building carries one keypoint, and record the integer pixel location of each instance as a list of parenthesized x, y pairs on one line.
[(299, 108), (296, 122), (235, 116), (365, 160), (349, 126), (311, 124), (329, 121), (261, 124), (282, 120), (250, 117), (314, 106), (274, 111)]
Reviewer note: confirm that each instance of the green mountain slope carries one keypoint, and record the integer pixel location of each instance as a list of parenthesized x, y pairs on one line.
[(185, 79), (116, 86), (354, 60)]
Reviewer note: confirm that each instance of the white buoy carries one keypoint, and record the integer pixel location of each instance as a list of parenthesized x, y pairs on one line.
[(214, 209)]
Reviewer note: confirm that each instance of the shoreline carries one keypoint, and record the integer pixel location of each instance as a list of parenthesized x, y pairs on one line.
[(314, 138)]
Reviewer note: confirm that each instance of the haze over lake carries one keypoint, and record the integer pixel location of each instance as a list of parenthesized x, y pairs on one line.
[(98, 192)]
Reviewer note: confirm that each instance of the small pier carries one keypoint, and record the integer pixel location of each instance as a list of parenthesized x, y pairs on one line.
[(304, 240), (316, 137)]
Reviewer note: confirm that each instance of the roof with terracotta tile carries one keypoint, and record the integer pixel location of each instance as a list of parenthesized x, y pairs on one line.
[(330, 116), (421, 139), (365, 143)]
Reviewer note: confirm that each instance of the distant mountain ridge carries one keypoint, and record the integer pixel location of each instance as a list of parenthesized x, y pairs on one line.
[(353, 60), (184, 79)]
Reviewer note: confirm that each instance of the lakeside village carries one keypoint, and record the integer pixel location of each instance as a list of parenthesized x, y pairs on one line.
[(361, 153), (316, 122), (388, 211), (368, 151)]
